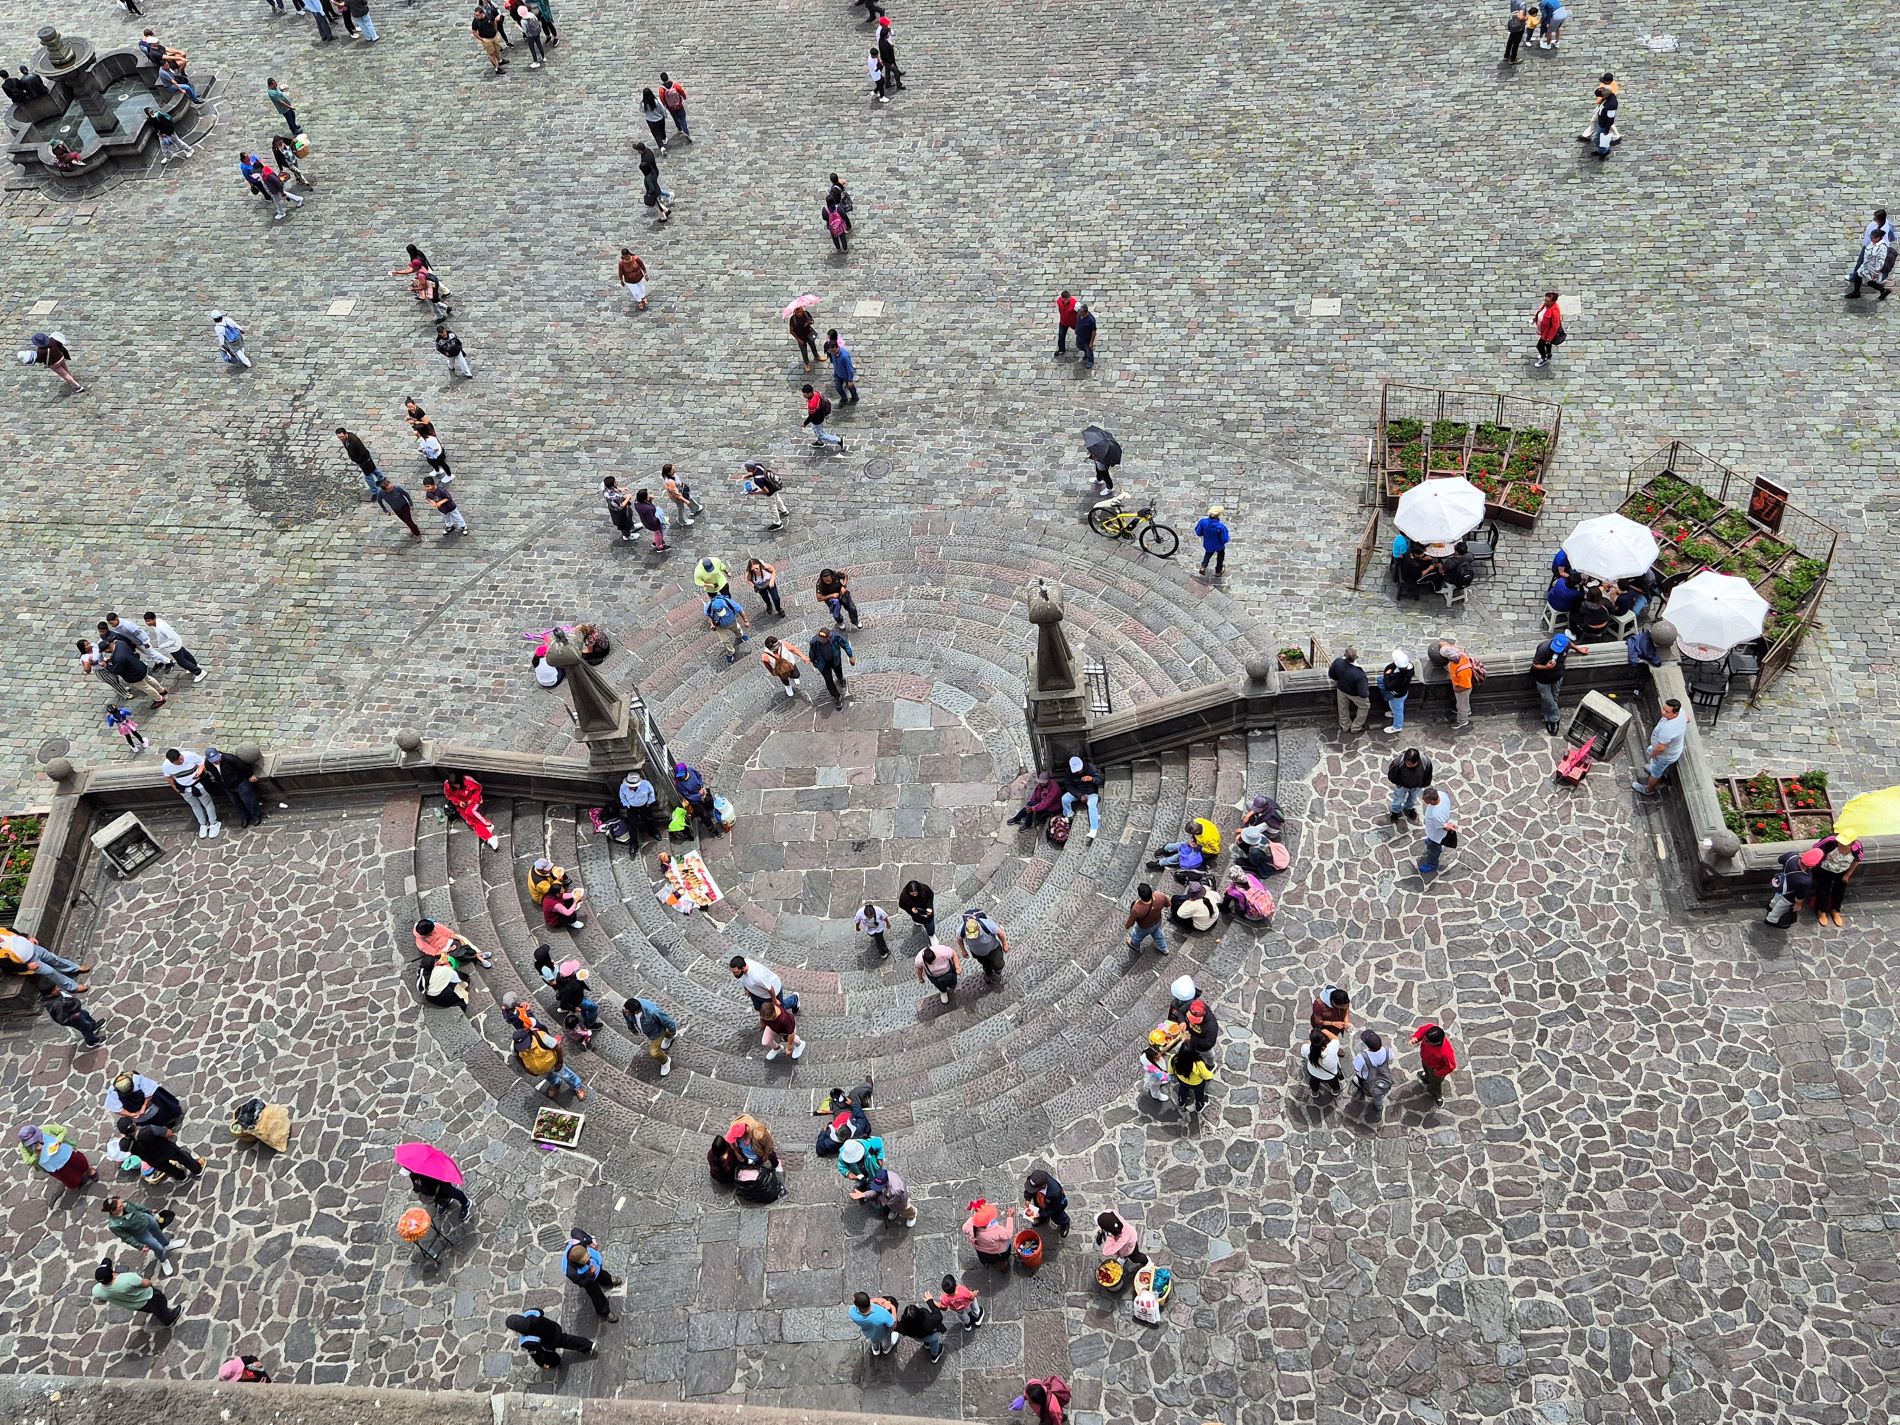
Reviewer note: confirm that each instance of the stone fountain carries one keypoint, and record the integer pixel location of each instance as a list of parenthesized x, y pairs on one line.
[(94, 105)]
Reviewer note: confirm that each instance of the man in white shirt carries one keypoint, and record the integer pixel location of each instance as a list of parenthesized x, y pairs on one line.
[(168, 645), (1664, 746), (35, 959), (1879, 230), (758, 981), (872, 921), (1437, 825), (637, 805), (185, 771)]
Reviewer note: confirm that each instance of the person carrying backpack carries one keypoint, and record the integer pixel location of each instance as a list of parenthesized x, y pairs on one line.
[(1372, 1069), (817, 412), (759, 481), (725, 617), (923, 1322), (538, 1051), (839, 229)]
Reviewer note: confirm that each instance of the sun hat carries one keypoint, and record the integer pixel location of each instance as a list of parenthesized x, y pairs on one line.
[(232, 1369), (852, 1152)]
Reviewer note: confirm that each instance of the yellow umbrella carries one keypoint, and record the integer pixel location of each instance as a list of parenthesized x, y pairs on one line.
[(1869, 814)]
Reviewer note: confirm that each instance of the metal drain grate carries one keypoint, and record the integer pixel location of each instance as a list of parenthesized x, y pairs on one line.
[(878, 468), (54, 747)]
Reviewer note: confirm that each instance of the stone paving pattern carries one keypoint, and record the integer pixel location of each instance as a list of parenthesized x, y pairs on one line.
[(1201, 230), (1659, 1194)]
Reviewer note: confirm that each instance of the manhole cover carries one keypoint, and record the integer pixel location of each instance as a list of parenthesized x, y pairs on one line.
[(54, 747), (878, 467)]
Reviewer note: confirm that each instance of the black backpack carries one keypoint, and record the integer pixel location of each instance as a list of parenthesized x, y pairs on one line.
[(769, 482), (823, 413)]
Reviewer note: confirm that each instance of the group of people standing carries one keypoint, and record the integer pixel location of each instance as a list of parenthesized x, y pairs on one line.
[(128, 659)]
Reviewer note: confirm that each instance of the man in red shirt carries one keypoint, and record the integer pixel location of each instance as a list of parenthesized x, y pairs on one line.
[(1550, 328), (1065, 321), (817, 407), (1436, 1058)]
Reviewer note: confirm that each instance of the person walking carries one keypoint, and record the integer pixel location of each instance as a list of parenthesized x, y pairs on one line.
[(444, 503), (887, 54), (650, 518), (361, 458), (681, 494), (619, 507), (1607, 91), (645, 1018), (541, 1055), (50, 351), (237, 779), (639, 807), (834, 592), (1664, 748), (1464, 672), (633, 276), (544, 1338), (280, 101), (121, 721), (1440, 834), (874, 67), (939, 965), (805, 333), (429, 447), (397, 501), (728, 620), (990, 1232), (142, 1227), (1436, 1058), (982, 939), (1214, 537), (873, 922), (953, 1295), (1147, 915), (23, 955), (65, 1010), (1603, 125), (272, 182), (1085, 335), (1549, 322), (1547, 674), (1877, 235), (48, 1147), (135, 1293), (450, 345), (169, 143), (759, 981), (657, 197), (876, 1319), (185, 772), (535, 33), (759, 481), (1395, 683), (1351, 691), (918, 901), (167, 643), (655, 118), (817, 411), (922, 1321), (582, 1264), (673, 96), (316, 10), (230, 340), (764, 580), (1065, 323), (1409, 773), (485, 25), (838, 225), (544, 12), (844, 371), (827, 652), (781, 660), (1082, 782)]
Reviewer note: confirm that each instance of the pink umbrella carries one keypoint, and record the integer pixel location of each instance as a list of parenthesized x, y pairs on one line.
[(430, 1162), (810, 299)]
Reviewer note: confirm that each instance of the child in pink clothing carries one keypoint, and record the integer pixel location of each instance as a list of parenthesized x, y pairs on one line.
[(956, 1297), (120, 721)]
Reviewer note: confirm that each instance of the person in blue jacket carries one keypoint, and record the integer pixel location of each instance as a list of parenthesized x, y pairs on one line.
[(844, 371), (1214, 536)]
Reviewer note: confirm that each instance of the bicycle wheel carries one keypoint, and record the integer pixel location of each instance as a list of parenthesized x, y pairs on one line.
[(1107, 523), (1160, 540)]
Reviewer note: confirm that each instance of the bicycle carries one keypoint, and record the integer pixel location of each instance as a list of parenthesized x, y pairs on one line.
[(1108, 519)]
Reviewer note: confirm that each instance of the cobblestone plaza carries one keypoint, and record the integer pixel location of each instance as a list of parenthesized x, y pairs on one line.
[(1662, 1192)]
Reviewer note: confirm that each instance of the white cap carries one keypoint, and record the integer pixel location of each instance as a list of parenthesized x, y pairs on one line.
[(1401, 659), (217, 316), (1075, 764), (1183, 988)]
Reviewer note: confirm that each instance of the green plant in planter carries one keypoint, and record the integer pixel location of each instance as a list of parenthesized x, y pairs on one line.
[(1733, 527), (1702, 551), (1667, 488), (1489, 486), (1412, 457), (1676, 530), (19, 843), (1644, 509), (1293, 657), (1531, 442), (1762, 792), (1523, 467), (1731, 814), (1402, 430), (1486, 462), (1669, 560), (1762, 829), (1528, 499), (1698, 504), (1492, 436), (1794, 586), (1397, 482), (1807, 792), (1449, 432), (1766, 549), (1734, 564)]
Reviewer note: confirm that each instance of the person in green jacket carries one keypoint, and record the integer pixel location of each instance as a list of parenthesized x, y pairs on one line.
[(137, 1225), (133, 1292)]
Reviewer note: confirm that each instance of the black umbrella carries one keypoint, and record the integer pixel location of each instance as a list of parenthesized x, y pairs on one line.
[(1102, 447)]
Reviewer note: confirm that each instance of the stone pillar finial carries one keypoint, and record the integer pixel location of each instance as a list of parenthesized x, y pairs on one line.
[(55, 46), (598, 710)]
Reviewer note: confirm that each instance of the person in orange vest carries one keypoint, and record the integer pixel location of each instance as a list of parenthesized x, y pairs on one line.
[(1462, 669), (1436, 1058)]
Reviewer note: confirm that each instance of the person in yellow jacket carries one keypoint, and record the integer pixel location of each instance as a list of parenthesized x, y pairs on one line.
[(1193, 1071), (545, 878), (1201, 845)]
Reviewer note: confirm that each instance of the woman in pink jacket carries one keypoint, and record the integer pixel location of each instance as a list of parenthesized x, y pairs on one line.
[(1119, 1239), (991, 1232)]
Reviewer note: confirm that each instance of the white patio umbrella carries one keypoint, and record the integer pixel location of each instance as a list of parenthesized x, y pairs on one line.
[(1438, 511), (1714, 612), (1611, 547)]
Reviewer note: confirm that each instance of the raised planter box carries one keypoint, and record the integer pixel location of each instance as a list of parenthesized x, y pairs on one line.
[(19, 847), (559, 1127), (1768, 808), (1502, 444)]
